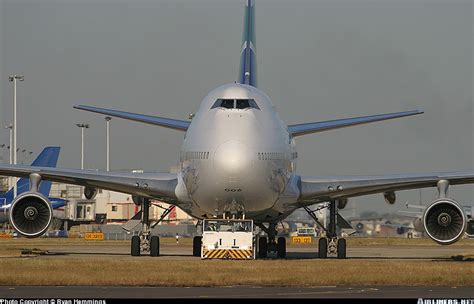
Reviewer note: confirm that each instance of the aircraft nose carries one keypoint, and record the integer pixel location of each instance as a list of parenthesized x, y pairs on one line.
[(232, 160)]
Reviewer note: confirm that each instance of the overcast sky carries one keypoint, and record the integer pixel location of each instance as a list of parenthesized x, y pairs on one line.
[(317, 60)]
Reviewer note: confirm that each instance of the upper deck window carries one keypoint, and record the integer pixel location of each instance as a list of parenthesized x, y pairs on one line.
[(235, 104)]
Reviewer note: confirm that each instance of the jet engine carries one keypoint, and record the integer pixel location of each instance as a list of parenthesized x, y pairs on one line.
[(444, 221), (31, 214), (341, 203), (138, 200), (470, 228), (90, 192), (390, 197)]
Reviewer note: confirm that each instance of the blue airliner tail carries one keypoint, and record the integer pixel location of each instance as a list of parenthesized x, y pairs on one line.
[(47, 158)]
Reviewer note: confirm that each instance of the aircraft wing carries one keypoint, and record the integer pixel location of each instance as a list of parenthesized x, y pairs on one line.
[(151, 185), (176, 124), (317, 189), (320, 126)]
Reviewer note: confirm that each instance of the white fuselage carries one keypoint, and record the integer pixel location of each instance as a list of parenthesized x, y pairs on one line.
[(240, 159)]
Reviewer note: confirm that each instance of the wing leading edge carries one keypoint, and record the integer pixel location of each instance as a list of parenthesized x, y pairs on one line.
[(175, 124), (152, 185), (315, 127), (314, 189)]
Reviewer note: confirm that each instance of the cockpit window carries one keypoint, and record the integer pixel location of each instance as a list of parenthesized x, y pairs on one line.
[(227, 103), (224, 103), (242, 104), (253, 104), (235, 104)]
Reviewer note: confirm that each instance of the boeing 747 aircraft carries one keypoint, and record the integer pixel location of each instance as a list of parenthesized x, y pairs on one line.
[(238, 159)]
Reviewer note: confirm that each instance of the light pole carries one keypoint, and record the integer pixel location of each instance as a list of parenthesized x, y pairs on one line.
[(10, 128), (108, 119), (14, 79), (82, 126)]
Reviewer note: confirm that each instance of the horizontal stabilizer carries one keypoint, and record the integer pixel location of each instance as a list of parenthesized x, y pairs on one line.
[(170, 123), (315, 127)]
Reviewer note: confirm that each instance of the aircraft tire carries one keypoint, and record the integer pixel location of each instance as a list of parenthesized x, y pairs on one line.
[(135, 245), (281, 248), (323, 248), (154, 246), (341, 248), (262, 247), (197, 243)]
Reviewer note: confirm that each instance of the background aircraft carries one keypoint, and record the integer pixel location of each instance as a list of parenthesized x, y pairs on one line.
[(47, 158)]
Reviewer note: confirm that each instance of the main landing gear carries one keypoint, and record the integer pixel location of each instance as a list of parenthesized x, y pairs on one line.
[(144, 241), (269, 245), (331, 244)]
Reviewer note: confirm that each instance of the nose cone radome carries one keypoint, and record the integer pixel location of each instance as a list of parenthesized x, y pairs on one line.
[(232, 160)]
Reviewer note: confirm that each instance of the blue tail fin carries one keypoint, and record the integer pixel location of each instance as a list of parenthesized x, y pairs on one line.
[(47, 158), (248, 63)]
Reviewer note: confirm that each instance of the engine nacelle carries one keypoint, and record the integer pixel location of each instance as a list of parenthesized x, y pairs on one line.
[(390, 197), (470, 228), (90, 192), (444, 221), (138, 200), (31, 214), (341, 203)]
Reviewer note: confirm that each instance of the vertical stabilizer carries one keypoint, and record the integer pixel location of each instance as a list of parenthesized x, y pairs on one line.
[(248, 64), (47, 158)]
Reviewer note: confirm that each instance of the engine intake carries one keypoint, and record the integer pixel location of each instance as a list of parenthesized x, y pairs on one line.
[(31, 214), (444, 221)]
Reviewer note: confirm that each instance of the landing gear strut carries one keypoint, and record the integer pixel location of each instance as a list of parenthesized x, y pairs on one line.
[(144, 241), (331, 244), (266, 245)]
